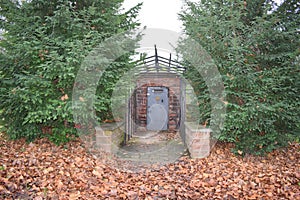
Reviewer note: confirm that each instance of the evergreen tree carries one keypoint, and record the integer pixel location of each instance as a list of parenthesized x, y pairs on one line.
[(255, 49)]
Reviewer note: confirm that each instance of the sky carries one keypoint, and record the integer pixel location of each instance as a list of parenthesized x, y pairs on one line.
[(160, 13)]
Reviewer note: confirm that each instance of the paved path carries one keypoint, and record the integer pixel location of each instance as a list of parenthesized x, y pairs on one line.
[(153, 147)]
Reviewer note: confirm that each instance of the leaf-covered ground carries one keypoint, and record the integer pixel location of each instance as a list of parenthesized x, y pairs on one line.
[(41, 170)]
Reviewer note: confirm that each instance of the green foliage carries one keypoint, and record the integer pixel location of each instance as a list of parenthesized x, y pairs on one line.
[(257, 54), (42, 48)]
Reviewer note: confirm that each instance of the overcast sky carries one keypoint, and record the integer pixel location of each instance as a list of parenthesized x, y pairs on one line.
[(160, 13)]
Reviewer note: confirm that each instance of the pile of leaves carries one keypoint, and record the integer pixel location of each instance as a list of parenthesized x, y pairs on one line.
[(42, 170)]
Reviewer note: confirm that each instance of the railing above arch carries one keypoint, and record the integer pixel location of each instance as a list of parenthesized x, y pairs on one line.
[(159, 64)]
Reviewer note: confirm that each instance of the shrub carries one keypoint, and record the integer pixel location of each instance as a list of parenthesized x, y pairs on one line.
[(42, 48)]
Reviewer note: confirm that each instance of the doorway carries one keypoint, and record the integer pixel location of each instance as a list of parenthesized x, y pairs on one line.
[(157, 108)]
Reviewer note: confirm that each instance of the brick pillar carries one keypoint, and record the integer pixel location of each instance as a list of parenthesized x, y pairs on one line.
[(103, 141), (200, 144), (197, 140)]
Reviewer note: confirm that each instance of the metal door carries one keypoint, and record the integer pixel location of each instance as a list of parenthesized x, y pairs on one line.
[(157, 108)]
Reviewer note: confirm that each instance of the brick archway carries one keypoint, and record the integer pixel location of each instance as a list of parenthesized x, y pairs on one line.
[(157, 71), (170, 81)]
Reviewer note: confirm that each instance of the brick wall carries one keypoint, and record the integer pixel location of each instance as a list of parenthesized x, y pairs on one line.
[(109, 137), (172, 82)]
